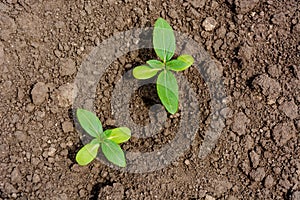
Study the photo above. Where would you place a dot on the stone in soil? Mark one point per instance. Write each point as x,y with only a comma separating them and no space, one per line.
274,71
249,142
209,24
254,158
269,181
283,132
9,188
68,67
290,109
36,178
240,123
65,95
198,3
221,187
39,93
67,126
245,53
278,18
16,176
51,151
269,86
258,174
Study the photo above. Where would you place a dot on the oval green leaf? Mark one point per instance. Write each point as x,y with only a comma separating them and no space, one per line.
176,65
189,60
113,152
167,89
118,135
144,72
163,40
155,64
89,122
87,153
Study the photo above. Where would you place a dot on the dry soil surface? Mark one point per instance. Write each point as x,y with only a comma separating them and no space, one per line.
255,43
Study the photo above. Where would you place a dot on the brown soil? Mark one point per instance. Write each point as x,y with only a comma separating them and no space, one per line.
257,44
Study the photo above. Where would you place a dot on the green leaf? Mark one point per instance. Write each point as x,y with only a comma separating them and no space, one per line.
107,133
144,72
118,135
189,60
89,122
113,152
95,141
163,40
87,153
181,63
167,89
155,64
176,65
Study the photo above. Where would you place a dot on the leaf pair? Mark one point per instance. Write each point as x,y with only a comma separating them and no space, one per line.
154,66
108,140
166,84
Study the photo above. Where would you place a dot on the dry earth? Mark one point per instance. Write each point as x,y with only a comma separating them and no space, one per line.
257,45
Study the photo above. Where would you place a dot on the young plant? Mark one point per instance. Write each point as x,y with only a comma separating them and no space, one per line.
108,140
166,83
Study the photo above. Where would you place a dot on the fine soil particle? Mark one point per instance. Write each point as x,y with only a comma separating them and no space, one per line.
256,48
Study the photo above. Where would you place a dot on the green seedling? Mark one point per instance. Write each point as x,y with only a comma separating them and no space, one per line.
166,83
108,140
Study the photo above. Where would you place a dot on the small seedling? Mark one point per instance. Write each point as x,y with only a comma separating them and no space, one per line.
166,83
109,140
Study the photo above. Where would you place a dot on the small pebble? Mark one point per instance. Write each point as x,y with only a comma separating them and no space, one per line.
269,181
67,126
16,176
187,162
68,67
51,151
39,93
209,24
36,178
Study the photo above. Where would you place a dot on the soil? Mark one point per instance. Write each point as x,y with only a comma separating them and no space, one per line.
255,43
